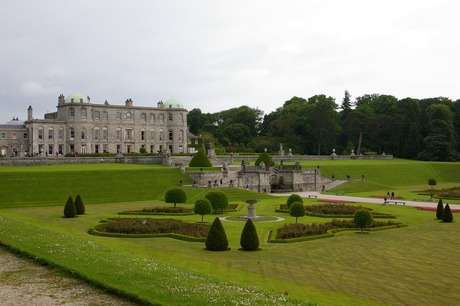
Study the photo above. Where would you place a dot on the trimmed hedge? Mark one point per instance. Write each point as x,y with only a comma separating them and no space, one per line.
217,238
294,198
200,160
331,232
94,231
374,214
264,157
69,209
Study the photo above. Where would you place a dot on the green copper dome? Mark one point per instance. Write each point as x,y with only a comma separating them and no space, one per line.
77,98
172,103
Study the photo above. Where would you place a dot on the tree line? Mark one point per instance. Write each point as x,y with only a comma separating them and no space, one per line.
424,129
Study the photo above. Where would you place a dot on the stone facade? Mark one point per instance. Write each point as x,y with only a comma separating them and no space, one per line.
79,126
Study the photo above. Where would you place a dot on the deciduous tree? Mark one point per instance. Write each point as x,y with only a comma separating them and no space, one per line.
297,210
218,199
362,218
202,207
175,195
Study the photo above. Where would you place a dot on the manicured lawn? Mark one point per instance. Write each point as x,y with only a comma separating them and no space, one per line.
407,266
96,183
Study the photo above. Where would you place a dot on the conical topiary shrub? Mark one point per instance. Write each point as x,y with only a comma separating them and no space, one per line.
79,206
439,210
200,159
447,214
69,208
249,239
264,157
293,198
216,239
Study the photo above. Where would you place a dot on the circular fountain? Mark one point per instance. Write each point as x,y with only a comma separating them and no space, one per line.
251,210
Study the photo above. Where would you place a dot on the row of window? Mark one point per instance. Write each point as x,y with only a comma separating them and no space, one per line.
128,116
14,135
104,134
51,150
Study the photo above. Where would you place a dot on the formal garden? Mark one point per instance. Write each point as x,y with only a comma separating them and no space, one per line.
126,209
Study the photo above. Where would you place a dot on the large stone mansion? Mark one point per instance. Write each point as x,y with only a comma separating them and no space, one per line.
79,126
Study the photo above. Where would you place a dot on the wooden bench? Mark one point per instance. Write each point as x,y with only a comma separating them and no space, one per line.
312,196
424,200
396,202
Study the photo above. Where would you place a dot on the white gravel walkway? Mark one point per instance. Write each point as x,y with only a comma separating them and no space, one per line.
319,195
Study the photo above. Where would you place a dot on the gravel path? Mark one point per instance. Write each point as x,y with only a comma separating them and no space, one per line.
24,283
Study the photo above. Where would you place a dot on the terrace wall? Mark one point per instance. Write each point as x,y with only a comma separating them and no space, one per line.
44,161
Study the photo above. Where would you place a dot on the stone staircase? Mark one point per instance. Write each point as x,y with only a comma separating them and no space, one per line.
335,183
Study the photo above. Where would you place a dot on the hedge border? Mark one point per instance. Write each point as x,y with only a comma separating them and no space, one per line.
94,231
375,214
331,232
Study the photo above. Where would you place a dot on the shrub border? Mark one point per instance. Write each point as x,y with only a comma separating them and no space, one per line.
134,212
375,214
331,232
94,231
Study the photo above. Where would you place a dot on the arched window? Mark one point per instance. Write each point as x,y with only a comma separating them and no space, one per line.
181,136
152,135
118,134
105,134
128,116
50,133
83,133
143,135
40,133
61,134
96,133
162,135
181,117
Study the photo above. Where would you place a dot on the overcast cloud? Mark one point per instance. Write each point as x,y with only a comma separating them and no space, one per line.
215,55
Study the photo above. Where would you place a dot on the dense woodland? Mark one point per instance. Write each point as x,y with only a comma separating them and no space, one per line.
425,129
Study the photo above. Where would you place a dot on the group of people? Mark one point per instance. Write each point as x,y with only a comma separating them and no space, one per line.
390,196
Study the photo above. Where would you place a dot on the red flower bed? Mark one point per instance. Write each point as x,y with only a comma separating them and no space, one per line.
385,196
434,208
335,201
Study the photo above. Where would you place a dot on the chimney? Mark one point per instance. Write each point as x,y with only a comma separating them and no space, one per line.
30,113
61,99
160,104
129,103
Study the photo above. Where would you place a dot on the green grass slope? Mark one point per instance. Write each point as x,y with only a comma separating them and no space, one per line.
101,183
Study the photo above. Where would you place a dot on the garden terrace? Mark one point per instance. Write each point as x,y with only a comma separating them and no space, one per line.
158,271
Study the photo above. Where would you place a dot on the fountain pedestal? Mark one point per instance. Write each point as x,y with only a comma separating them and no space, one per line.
251,210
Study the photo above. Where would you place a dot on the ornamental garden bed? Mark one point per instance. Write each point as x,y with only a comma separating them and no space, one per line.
150,227
167,210
334,210
386,196
434,208
446,193
302,232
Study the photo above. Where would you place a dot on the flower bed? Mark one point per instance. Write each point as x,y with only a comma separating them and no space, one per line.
386,196
330,210
335,201
434,208
139,226
314,229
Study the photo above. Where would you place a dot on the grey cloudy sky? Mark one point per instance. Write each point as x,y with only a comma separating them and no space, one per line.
215,55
